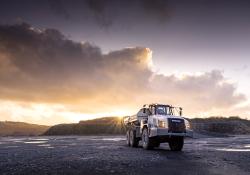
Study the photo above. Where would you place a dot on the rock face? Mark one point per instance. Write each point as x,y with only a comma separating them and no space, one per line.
8,128
231,125
101,126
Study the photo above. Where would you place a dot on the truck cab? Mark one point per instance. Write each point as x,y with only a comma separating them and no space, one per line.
155,124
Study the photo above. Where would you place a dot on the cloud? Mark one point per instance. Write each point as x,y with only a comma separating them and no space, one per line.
201,92
109,12
58,7
44,66
100,12
158,9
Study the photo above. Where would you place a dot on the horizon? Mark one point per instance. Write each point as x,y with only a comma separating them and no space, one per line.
63,61
120,117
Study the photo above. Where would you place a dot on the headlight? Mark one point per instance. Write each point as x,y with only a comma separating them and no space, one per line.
161,124
187,124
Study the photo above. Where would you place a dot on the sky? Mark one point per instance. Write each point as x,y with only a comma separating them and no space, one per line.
63,61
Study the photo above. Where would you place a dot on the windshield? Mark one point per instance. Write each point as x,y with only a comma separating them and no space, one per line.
166,110
162,110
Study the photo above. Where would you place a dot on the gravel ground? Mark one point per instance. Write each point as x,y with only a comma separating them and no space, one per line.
90,155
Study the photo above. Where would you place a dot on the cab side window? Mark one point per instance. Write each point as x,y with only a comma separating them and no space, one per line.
153,110
148,112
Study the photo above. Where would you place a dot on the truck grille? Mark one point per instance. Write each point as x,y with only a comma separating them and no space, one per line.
176,125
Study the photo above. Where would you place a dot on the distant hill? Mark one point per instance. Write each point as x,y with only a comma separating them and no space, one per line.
8,128
100,126
231,125
113,125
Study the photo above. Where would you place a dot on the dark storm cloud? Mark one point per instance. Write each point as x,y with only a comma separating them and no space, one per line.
159,9
45,60
106,13
99,10
58,7
44,66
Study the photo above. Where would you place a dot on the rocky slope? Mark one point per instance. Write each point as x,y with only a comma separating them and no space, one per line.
113,125
8,128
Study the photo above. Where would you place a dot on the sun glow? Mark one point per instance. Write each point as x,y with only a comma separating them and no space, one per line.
76,117
49,114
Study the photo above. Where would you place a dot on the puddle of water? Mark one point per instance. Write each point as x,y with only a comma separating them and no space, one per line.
233,150
50,147
111,139
17,139
63,146
72,144
81,139
45,145
35,142
102,147
86,158
11,146
40,139
28,140
201,142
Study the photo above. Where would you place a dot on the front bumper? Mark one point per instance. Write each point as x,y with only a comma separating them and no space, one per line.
164,132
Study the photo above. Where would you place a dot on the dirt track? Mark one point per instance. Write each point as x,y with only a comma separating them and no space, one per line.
89,155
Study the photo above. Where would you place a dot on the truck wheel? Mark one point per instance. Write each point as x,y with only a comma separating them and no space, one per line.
134,142
176,143
127,138
157,144
146,141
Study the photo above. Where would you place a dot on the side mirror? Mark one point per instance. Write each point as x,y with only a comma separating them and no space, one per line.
180,111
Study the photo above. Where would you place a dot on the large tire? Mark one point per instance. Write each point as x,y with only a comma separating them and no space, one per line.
176,143
128,138
134,142
146,141
157,144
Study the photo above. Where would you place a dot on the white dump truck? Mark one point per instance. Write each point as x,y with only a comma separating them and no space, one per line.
155,124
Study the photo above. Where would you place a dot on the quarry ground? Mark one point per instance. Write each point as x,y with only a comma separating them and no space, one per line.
90,155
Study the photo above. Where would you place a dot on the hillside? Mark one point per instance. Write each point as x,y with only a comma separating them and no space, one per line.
8,128
231,125
113,125
106,125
